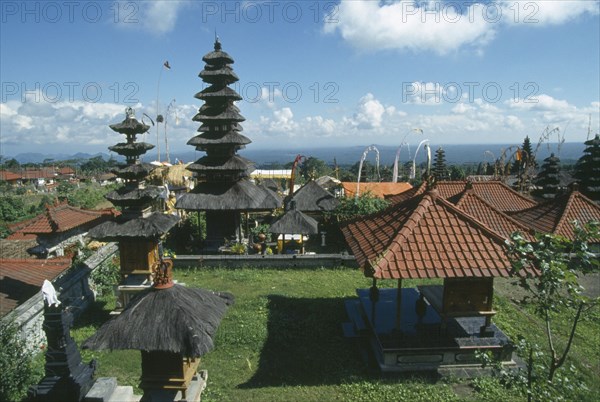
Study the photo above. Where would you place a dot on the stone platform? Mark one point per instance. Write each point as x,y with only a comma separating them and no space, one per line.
407,343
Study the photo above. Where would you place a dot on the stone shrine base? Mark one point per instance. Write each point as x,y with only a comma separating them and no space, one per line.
420,344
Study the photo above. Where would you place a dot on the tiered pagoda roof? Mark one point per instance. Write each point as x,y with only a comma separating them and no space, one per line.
223,176
135,197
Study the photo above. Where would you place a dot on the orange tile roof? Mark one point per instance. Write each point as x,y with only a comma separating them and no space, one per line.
376,189
6,175
495,193
21,279
557,216
66,170
60,218
426,237
494,219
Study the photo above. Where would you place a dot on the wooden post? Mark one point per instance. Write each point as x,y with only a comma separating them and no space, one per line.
399,304
374,297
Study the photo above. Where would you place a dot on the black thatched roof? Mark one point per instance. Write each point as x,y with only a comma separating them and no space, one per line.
130,126
231,137
295,222
134,171
178,319
313,198
150,227
131,197
215,91
242,195
131,149
234,162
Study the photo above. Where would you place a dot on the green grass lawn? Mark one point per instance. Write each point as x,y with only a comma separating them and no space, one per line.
282,340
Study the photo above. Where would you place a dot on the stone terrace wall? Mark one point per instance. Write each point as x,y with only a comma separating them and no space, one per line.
266,261
74,291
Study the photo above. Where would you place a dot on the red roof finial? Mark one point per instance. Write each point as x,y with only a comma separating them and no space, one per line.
163,274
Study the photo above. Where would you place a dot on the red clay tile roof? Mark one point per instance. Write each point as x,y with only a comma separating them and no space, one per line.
495,193
66,170
61,218
494,219
44,173
426,237
21,279
557,216
6,175
376,189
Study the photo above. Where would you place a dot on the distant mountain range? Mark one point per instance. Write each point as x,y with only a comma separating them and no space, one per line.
455,154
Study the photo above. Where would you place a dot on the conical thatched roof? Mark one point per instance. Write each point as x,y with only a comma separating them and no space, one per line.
150,227
178,319
295,222
313,198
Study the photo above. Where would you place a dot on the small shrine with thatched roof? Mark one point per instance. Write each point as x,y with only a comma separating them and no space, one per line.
223,188
431,326
139,229
173,326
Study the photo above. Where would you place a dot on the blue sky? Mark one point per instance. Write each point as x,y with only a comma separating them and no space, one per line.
312,73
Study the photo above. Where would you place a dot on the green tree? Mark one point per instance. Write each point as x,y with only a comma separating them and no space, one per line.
352,207
12,209
587,169
554,288
17,364
314,168
548,180
457,173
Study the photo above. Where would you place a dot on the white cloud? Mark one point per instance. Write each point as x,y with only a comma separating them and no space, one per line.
543,103
369,113
411,25
444,27
546,12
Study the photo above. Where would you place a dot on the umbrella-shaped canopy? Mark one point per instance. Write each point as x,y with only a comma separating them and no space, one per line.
294,221
151,227
177,319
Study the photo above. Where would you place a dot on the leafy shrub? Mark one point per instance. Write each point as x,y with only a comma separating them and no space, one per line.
105,276
352,207
17,364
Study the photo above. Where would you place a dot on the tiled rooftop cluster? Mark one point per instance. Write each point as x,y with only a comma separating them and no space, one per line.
458,229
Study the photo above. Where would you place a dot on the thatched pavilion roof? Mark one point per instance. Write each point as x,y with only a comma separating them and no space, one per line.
313,198
295,222
178,319
242,196
150,227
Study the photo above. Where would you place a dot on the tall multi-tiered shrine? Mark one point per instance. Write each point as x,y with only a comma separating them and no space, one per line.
223,188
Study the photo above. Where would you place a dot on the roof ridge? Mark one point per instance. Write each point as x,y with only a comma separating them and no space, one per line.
478,223
518,194
496,210
406,229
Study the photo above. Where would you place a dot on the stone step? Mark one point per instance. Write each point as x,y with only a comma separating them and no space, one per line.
122,394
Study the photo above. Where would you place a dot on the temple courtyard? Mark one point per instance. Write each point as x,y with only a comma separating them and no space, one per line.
284,340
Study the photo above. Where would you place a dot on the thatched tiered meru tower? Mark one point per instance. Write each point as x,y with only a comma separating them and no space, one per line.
224,189
138,230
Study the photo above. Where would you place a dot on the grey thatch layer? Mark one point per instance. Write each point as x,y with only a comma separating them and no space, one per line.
137,196
134,171
130,126
150,227
295,222
178,319
218,138
236,162
313,198
217,57
131,149
242,195
215,91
